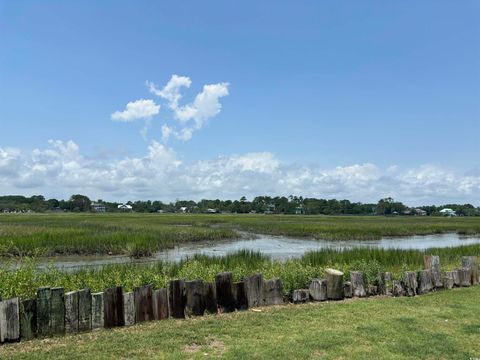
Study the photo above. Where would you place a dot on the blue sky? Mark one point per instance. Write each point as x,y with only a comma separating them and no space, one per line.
331,99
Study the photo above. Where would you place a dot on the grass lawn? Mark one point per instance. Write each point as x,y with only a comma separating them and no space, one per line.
443,325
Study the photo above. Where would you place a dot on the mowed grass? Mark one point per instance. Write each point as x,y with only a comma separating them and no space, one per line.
442,325
143,234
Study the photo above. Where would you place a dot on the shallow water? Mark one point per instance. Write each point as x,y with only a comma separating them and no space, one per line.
277,247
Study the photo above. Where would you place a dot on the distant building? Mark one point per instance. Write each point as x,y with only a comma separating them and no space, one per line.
100,208
125,207
299,210
448,212
420,212
212,211
270,209
183,209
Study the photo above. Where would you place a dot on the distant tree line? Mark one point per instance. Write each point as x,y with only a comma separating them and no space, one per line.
260,204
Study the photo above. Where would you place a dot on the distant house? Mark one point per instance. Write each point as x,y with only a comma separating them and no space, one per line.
448,212
97,207
212,211
125,207
299,210
184,209
420,212
270,209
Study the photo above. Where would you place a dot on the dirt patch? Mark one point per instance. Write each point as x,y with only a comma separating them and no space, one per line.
212,347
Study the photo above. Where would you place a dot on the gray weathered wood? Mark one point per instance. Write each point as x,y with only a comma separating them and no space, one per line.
113,307
447,280
224,291
28,319
358,284
9,320
210,293
318,289
472,263
44,295
71,312
57,311
84,310
240,295
386,288
129,308
254,290
195,300
410,283
465,276
432,262
456,277
273,289
347,289
334,284
176,298
372,290
300,296
160,304
425,281
97,311
143,303
397,288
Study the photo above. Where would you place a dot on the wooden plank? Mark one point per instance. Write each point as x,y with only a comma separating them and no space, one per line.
195,300
318,289
160,304
97,311
84,310
210,294
240,295
57,311
224,291
71,312
410,283
358,284
273,289
143,303
334,284
425,281
472,263
44,295
28,319
254,290
347,289
129,308
113,307
9,320
176,298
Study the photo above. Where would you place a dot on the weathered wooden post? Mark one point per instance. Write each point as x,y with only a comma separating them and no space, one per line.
97,311
472,263
397,288
358,284
44,295
57,308
113,311
129,308
71,312
143,303
9,320
347,289
334,284
254,290
456,277
84,310
432,262
28,319
273,289
160,304
318,289
387,283
447,280
410,283
224,290
465,276
211,305
195,300
300,296
425,281
240,295
176,298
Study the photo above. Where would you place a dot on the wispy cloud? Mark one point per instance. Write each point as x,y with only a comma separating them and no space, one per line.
135,110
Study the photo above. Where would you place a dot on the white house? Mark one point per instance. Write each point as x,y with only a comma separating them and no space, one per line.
97,207
125,207
448,212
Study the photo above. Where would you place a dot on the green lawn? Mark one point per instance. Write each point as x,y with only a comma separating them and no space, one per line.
442,325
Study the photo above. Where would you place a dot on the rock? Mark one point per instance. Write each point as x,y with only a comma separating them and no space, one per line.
410,283
318,289
334,284
425,281
273,292
358,284
300,296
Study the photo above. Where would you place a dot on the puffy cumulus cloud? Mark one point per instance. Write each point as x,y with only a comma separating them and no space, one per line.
61,170
192,116
139,109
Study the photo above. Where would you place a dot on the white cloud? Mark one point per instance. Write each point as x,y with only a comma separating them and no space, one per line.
139,109
61,170
192,116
